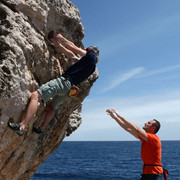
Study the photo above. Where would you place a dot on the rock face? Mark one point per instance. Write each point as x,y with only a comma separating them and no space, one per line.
27,61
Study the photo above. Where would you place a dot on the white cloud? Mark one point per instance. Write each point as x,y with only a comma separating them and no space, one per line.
160,70
136,73
120,78
164,107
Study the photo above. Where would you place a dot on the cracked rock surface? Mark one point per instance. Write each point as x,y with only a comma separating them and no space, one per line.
26,62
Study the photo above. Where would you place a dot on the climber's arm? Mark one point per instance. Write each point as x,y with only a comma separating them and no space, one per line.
70,45
69,54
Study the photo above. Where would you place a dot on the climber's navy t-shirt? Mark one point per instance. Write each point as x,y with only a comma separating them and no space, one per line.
82,69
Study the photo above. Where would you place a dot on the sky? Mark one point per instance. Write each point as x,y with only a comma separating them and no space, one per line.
139,67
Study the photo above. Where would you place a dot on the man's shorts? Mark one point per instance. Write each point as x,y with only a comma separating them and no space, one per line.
57,89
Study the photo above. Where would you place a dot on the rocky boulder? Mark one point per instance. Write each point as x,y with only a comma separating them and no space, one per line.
27,60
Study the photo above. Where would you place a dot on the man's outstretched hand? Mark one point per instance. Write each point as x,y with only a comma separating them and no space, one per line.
110,112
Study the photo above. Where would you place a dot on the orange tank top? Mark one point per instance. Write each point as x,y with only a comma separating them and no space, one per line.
151,154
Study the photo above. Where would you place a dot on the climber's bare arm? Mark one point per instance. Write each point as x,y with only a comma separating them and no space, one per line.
69,54
70,45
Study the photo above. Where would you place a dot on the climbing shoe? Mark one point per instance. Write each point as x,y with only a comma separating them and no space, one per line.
37,130
20,132
15,127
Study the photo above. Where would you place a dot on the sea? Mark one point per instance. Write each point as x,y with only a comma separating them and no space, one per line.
104,160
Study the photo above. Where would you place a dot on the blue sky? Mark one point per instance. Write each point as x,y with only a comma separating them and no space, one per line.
139,68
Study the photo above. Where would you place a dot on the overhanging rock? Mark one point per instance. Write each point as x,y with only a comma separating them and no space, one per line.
27,61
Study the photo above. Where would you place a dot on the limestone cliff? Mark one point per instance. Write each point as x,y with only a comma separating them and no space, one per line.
27,61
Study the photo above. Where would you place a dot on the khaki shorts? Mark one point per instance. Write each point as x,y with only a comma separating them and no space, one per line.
57,89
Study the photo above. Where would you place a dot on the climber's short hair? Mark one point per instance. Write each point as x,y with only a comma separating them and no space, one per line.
95,50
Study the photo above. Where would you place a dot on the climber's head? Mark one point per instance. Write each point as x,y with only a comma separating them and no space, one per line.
95,50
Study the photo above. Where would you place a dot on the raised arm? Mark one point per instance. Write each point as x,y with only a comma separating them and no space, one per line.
121,123
69,54
70,45
127,125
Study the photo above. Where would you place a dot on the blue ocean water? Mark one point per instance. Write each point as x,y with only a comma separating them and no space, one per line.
104,160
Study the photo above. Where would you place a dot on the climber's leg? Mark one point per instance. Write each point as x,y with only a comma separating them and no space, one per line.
32,108
49,115
45,92
58,99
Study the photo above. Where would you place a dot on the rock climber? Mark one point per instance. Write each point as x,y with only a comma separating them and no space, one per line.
62,88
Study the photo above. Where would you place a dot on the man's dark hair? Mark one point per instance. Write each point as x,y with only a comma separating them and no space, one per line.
157,125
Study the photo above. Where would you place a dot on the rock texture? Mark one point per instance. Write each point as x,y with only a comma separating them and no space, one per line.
27,61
